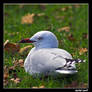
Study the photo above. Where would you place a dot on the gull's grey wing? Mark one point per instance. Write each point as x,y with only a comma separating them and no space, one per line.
47,60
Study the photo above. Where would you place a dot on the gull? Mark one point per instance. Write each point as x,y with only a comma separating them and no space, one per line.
46,58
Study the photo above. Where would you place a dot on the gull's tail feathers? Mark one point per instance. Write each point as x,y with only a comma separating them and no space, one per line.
68,68
66,71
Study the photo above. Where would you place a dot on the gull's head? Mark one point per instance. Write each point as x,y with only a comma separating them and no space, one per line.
42,39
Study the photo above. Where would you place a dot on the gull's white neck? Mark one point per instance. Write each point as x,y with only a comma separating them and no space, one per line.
40,46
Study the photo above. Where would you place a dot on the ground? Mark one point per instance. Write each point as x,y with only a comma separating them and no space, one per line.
69,22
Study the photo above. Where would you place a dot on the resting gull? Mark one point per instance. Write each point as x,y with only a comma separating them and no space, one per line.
46,57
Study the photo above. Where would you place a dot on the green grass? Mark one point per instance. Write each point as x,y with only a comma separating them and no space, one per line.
76,16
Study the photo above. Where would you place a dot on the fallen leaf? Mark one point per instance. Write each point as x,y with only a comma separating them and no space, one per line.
25,50
11,47
71,37
6,14
74,84
66,29
64,9
6,72
76,5
28,19
5,82
42,86
60,17
21,62
85,35
16,80
16,63
35,87
21,6
82,51
39,86
5,76
83,85
42,7
40,14
12,69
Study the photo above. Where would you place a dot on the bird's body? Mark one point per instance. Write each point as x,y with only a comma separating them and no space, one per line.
46,57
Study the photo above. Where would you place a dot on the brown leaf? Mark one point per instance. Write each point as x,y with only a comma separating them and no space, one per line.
42,6
35,87
39,86
83,85
82,51
60,17
85,35
6,72
6,75
21,62
21,6
25,49
16,63
11,47
40,14
74,84
71,37
28,19
66,29
5,82
16,80
64,8
42,86
76,5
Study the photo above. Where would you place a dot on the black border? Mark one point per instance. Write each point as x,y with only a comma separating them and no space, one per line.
1,43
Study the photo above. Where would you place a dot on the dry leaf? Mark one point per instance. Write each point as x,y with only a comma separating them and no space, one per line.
21,5
11,47
35,87
12,69
71,37
42,6
24,50
16,63
16,80
28,19
42,86
5,82
6,72
64,9
40,14
83,85
82,51
66,29
74,84
85,35
21,62
5,76
60,17
39,86
76,5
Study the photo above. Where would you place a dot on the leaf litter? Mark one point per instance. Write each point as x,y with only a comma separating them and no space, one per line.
11,47
82,51
66,29
29,18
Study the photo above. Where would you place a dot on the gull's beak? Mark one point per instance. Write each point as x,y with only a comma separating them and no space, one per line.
27,40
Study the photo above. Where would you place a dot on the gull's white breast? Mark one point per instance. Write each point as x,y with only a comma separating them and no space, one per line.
46,59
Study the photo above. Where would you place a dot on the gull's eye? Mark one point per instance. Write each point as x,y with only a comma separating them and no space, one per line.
40,38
